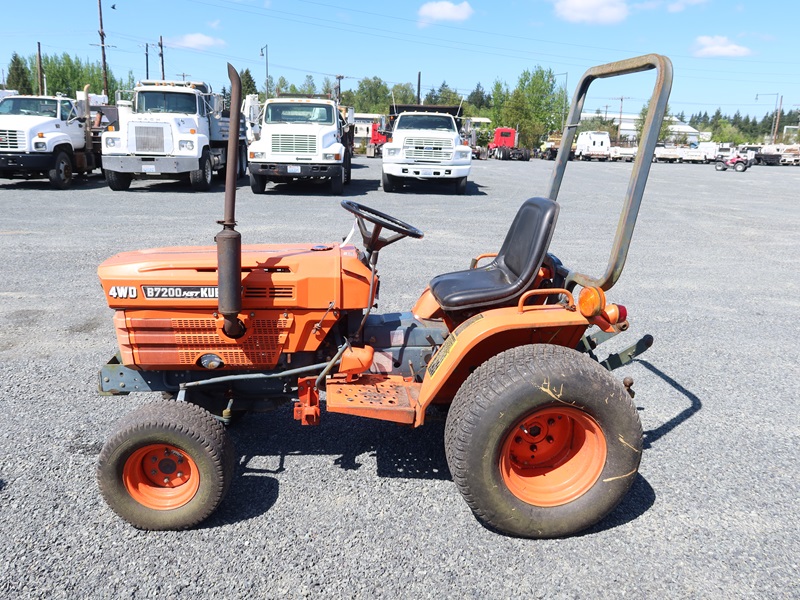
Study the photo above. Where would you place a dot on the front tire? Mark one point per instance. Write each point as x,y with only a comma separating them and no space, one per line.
60,175
720,166
542,442
337,184
118,182
166,467
387,182
461,186
201,178
258,183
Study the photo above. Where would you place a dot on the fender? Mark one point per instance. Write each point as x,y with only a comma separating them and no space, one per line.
488,333
56,139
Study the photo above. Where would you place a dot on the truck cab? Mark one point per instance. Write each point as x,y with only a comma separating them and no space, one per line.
426,146
593,144
43,136
302,138
169,129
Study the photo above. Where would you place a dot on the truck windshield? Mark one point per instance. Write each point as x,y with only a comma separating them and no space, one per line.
38,107
166,102
291,112
437,122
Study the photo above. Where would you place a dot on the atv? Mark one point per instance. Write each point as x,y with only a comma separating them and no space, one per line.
540,438
737,163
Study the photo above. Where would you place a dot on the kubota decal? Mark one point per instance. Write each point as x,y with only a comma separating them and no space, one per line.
158,292
449,344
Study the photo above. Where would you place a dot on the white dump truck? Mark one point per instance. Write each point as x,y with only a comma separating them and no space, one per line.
302,137
45,136
426,146
168,130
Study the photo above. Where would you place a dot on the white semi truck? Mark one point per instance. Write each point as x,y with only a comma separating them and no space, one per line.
45,136
426,146
168,130
302,138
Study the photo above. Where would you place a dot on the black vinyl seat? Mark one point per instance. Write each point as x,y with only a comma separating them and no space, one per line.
514,269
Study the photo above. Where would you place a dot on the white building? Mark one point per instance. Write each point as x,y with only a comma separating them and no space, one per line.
628,129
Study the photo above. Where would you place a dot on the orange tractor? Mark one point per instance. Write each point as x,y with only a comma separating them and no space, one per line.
540,438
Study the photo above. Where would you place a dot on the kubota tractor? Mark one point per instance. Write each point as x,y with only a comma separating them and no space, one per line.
541,439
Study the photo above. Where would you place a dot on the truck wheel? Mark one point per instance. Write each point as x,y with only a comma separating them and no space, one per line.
348,168
387,181
167,466
542,441
242,161
201,178
526,154
461,186
337,183
61,174
118,182
258,183
720,166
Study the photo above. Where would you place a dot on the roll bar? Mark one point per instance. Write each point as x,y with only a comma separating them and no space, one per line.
641,167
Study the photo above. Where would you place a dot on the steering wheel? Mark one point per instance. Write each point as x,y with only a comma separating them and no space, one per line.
373,241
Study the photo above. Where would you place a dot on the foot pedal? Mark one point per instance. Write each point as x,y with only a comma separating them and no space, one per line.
384,397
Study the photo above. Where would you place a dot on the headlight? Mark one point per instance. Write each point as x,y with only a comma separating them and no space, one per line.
112,142
40,145
392,151
331,156
258,154
463,154
186,145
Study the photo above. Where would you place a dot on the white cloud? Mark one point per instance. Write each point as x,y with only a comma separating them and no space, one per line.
718,45
444,11
196,41
680,5
214,24
598,12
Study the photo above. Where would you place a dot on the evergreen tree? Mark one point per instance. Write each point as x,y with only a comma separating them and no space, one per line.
308,87
478,97
248,83
282,87
19,77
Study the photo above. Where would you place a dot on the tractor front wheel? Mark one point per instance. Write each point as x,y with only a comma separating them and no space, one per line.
542,442
167,466
720,166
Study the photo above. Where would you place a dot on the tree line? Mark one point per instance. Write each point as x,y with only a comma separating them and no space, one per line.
535,106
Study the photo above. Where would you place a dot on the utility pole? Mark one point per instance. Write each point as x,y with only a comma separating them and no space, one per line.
339,88
265,54
161,55
147,61
103,48
619,125
777,119
419,80
39,73
605,118
183,75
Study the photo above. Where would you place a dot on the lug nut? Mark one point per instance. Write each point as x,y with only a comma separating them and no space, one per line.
153,459
179,474
166,480
153,472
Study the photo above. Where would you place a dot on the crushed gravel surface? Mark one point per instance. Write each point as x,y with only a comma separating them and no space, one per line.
363,509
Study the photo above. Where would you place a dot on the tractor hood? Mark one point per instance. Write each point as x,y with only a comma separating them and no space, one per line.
291,276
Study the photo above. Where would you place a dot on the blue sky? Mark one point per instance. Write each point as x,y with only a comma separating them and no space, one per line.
725,53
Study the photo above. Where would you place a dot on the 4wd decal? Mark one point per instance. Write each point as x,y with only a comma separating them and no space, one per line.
158,292
123,291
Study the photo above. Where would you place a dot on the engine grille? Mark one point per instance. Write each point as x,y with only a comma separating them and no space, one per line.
295,144
149,139
429,148
12,140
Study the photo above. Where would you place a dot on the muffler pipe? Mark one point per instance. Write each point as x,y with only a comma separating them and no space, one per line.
229,241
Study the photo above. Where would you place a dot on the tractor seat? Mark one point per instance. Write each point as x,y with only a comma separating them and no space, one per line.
514,269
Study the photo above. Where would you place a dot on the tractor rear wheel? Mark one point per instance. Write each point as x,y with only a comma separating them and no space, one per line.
168,465
542,441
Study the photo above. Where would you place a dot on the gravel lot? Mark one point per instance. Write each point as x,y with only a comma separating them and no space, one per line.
355,508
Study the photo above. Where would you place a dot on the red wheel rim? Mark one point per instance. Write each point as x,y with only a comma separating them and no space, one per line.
161,476
553,456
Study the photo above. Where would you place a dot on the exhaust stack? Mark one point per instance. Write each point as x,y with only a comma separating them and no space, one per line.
229,241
